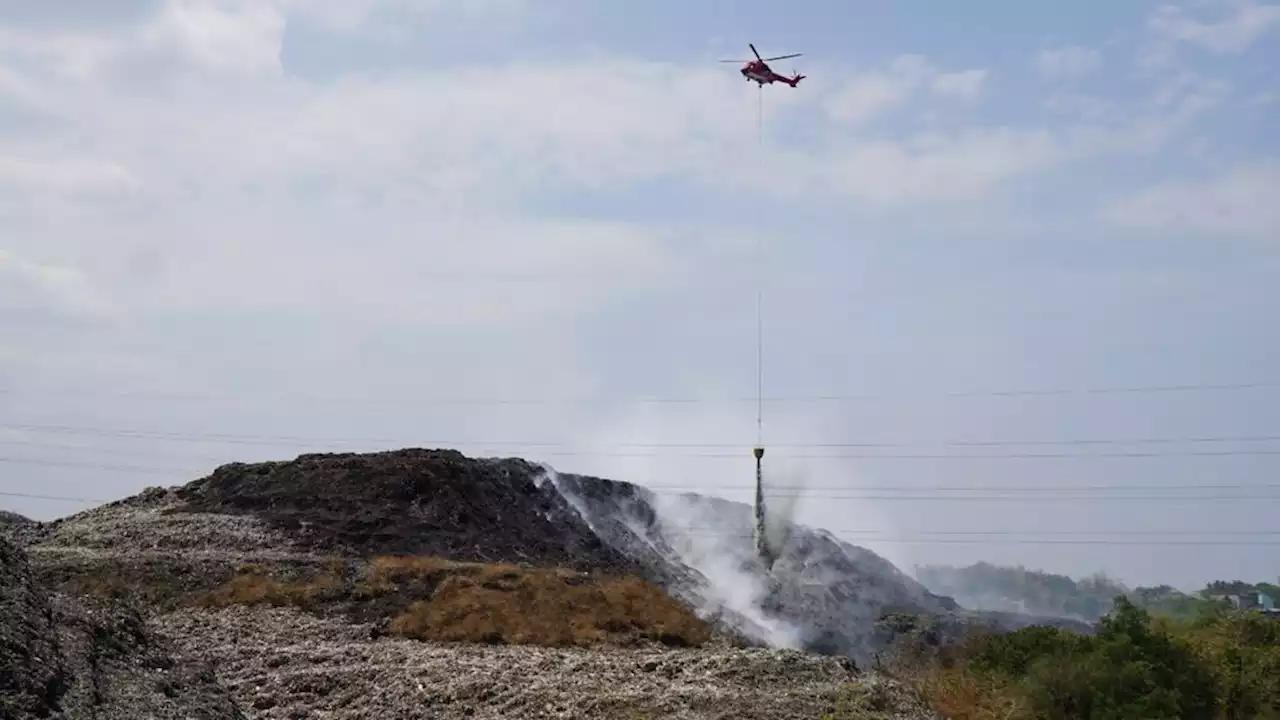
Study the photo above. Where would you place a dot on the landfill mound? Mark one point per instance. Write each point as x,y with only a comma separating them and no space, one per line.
427,554
292,519
408,502
822,594
70,658
355,589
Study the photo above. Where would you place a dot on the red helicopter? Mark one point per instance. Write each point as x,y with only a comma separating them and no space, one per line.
759,70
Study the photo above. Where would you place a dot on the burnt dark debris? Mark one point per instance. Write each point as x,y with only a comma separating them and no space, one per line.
410,502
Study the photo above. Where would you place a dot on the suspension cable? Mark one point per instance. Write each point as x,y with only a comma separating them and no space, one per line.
760,281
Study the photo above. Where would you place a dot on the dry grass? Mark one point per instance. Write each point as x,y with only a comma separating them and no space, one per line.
942,679
545,608
254,589
960,694
498,603
251,585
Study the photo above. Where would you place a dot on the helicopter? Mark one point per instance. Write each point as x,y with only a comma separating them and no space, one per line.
759,70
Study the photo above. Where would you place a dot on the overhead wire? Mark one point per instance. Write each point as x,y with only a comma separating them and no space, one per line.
927,537
681,486
268,439
642,450
958,493
707,530
659,399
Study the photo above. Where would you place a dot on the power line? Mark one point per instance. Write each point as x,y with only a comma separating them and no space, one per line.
880,456
936,538
63,498
844,532
992,494
258,439
802,488
95,466
642,399
1042,541
985,488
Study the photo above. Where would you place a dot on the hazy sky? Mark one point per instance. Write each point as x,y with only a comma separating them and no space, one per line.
238,231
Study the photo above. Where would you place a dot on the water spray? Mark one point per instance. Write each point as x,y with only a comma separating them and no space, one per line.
763,550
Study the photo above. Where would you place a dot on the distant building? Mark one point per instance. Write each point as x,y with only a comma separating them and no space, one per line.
1252,600
1234,600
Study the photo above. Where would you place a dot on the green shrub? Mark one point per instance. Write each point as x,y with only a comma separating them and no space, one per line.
1220,665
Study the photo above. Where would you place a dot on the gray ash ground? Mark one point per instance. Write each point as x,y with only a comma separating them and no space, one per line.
280,663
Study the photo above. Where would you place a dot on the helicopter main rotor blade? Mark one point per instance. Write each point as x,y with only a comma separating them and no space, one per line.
757,52
735,61
783,57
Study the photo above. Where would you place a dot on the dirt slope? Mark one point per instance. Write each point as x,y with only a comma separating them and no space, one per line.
80,658
18,529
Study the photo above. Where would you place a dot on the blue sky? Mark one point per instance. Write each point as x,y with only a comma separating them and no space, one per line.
304,223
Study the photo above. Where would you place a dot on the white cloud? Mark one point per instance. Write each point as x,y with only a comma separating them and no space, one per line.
965,85
58,289
75,55
1068,61
384,17
498,132
964,165
222,36
1239,203
1231,34
871,95
972,161
68,175
411,267
244,172
866,97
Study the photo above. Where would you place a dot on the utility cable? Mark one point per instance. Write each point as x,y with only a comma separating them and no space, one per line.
934,538
976,493
655,399
149,434
702,450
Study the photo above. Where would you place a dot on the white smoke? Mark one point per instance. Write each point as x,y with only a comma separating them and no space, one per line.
714,538
549,474
721,547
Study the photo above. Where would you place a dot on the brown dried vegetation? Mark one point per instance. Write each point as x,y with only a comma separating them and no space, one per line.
960,694
429,598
